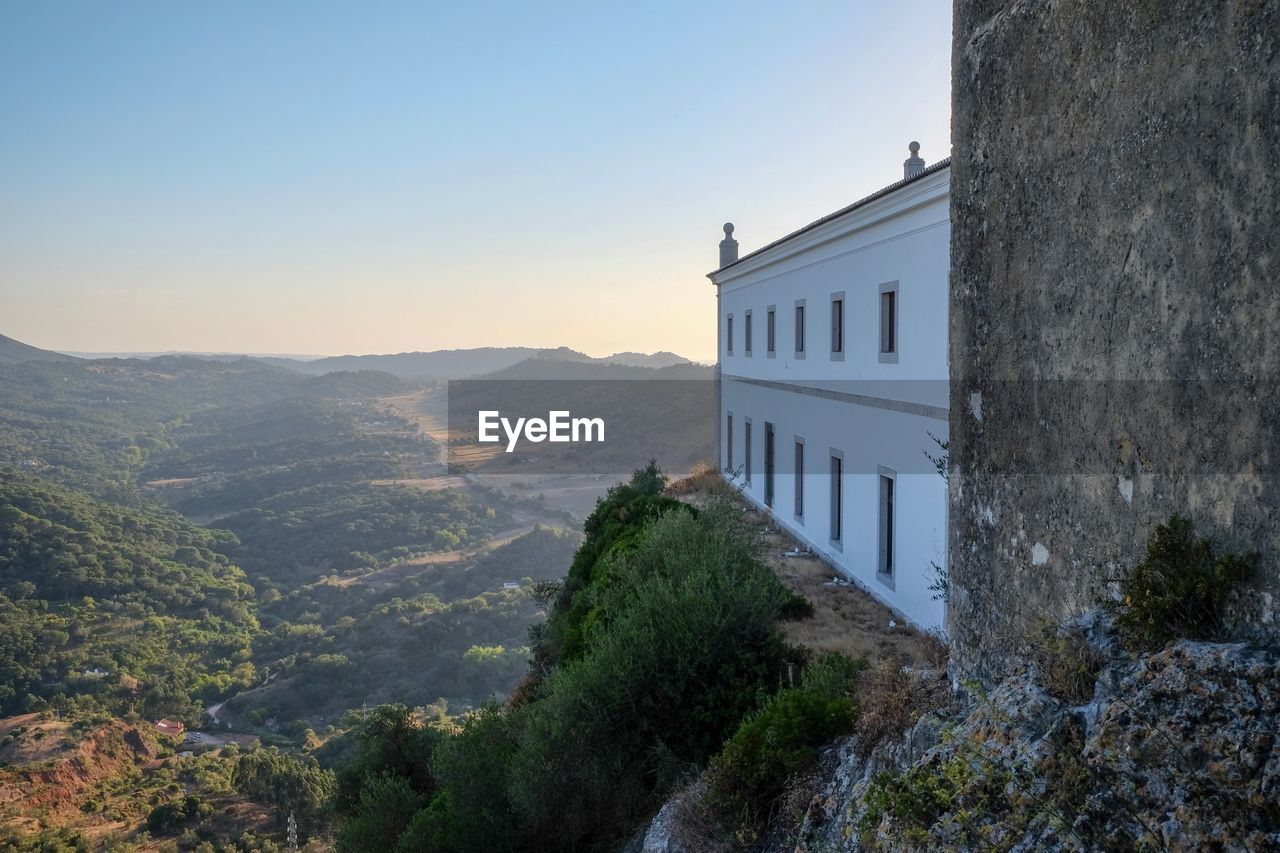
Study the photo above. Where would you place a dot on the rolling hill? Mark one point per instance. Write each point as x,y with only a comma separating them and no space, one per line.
468,363
12,352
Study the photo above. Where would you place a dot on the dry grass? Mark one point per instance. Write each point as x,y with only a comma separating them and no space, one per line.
694,828
427,484
891,699
846,618
1067,664
702,479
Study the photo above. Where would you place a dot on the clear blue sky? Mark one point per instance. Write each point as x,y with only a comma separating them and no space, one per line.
376,177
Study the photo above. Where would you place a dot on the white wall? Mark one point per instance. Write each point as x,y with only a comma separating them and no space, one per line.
904,239
868,439
878,415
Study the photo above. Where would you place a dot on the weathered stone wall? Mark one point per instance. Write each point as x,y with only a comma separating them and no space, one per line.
1115,307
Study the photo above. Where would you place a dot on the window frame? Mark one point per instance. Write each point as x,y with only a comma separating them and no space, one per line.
728,446
886,525
771,331
838,338
746,333
798,479
835,473
889,327
800,332
770,462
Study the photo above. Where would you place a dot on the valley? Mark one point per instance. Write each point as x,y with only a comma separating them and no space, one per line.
254,552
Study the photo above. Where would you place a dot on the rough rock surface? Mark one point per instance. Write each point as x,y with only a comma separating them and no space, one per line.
1178,750
1115,217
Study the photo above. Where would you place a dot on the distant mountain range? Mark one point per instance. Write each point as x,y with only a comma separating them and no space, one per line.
12,352
496,362
550,366
470,363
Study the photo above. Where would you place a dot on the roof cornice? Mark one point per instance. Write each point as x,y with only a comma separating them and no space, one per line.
757,258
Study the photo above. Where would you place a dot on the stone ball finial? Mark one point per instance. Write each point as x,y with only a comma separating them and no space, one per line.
914,148
728,229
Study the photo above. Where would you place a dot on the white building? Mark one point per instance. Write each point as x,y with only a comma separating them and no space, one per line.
834,384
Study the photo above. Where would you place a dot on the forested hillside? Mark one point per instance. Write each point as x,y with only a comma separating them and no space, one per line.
115,607
178,534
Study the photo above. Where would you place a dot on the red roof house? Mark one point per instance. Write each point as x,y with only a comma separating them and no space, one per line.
169,727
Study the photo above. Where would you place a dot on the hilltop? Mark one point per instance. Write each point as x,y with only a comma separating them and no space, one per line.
12,352
428,366
470,363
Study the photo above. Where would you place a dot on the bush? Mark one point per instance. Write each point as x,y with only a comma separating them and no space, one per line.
890,700
170,817
614,527
386,806
388,741
915,799
683,645
286,782
780,740
1180,589
662,639
1068,664
472,812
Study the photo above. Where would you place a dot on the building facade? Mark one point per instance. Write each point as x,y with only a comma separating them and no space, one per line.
833,385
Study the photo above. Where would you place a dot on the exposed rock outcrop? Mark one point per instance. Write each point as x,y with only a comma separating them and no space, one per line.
1177,750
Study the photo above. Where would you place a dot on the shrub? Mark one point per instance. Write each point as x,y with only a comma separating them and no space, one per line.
833,674
170,817
613,528
286,782
386,806
890,700
683,645
389,740
915,799
472,812
1068,664
780,740
886,705
673,639
1180,589
796,607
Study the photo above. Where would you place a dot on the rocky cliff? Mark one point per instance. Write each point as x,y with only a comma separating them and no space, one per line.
1177,750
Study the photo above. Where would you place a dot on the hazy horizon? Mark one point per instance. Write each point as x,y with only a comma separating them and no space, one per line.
316,178
90,354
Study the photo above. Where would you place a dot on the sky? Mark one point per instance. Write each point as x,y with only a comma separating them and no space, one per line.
329,178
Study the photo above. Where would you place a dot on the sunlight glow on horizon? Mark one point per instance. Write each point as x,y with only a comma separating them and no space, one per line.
321,178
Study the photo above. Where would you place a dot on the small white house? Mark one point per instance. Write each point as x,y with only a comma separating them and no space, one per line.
833,384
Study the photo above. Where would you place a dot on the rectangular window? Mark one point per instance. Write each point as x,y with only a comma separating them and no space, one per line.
728,335
746,331
889,322
770,329
728,443
799,479
746,451
887,484
837,497
768,464
887,317
837,325
800,329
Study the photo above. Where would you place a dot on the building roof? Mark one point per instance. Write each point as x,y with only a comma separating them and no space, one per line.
878,194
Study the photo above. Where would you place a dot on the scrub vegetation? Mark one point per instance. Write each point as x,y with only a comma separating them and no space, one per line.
661,643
